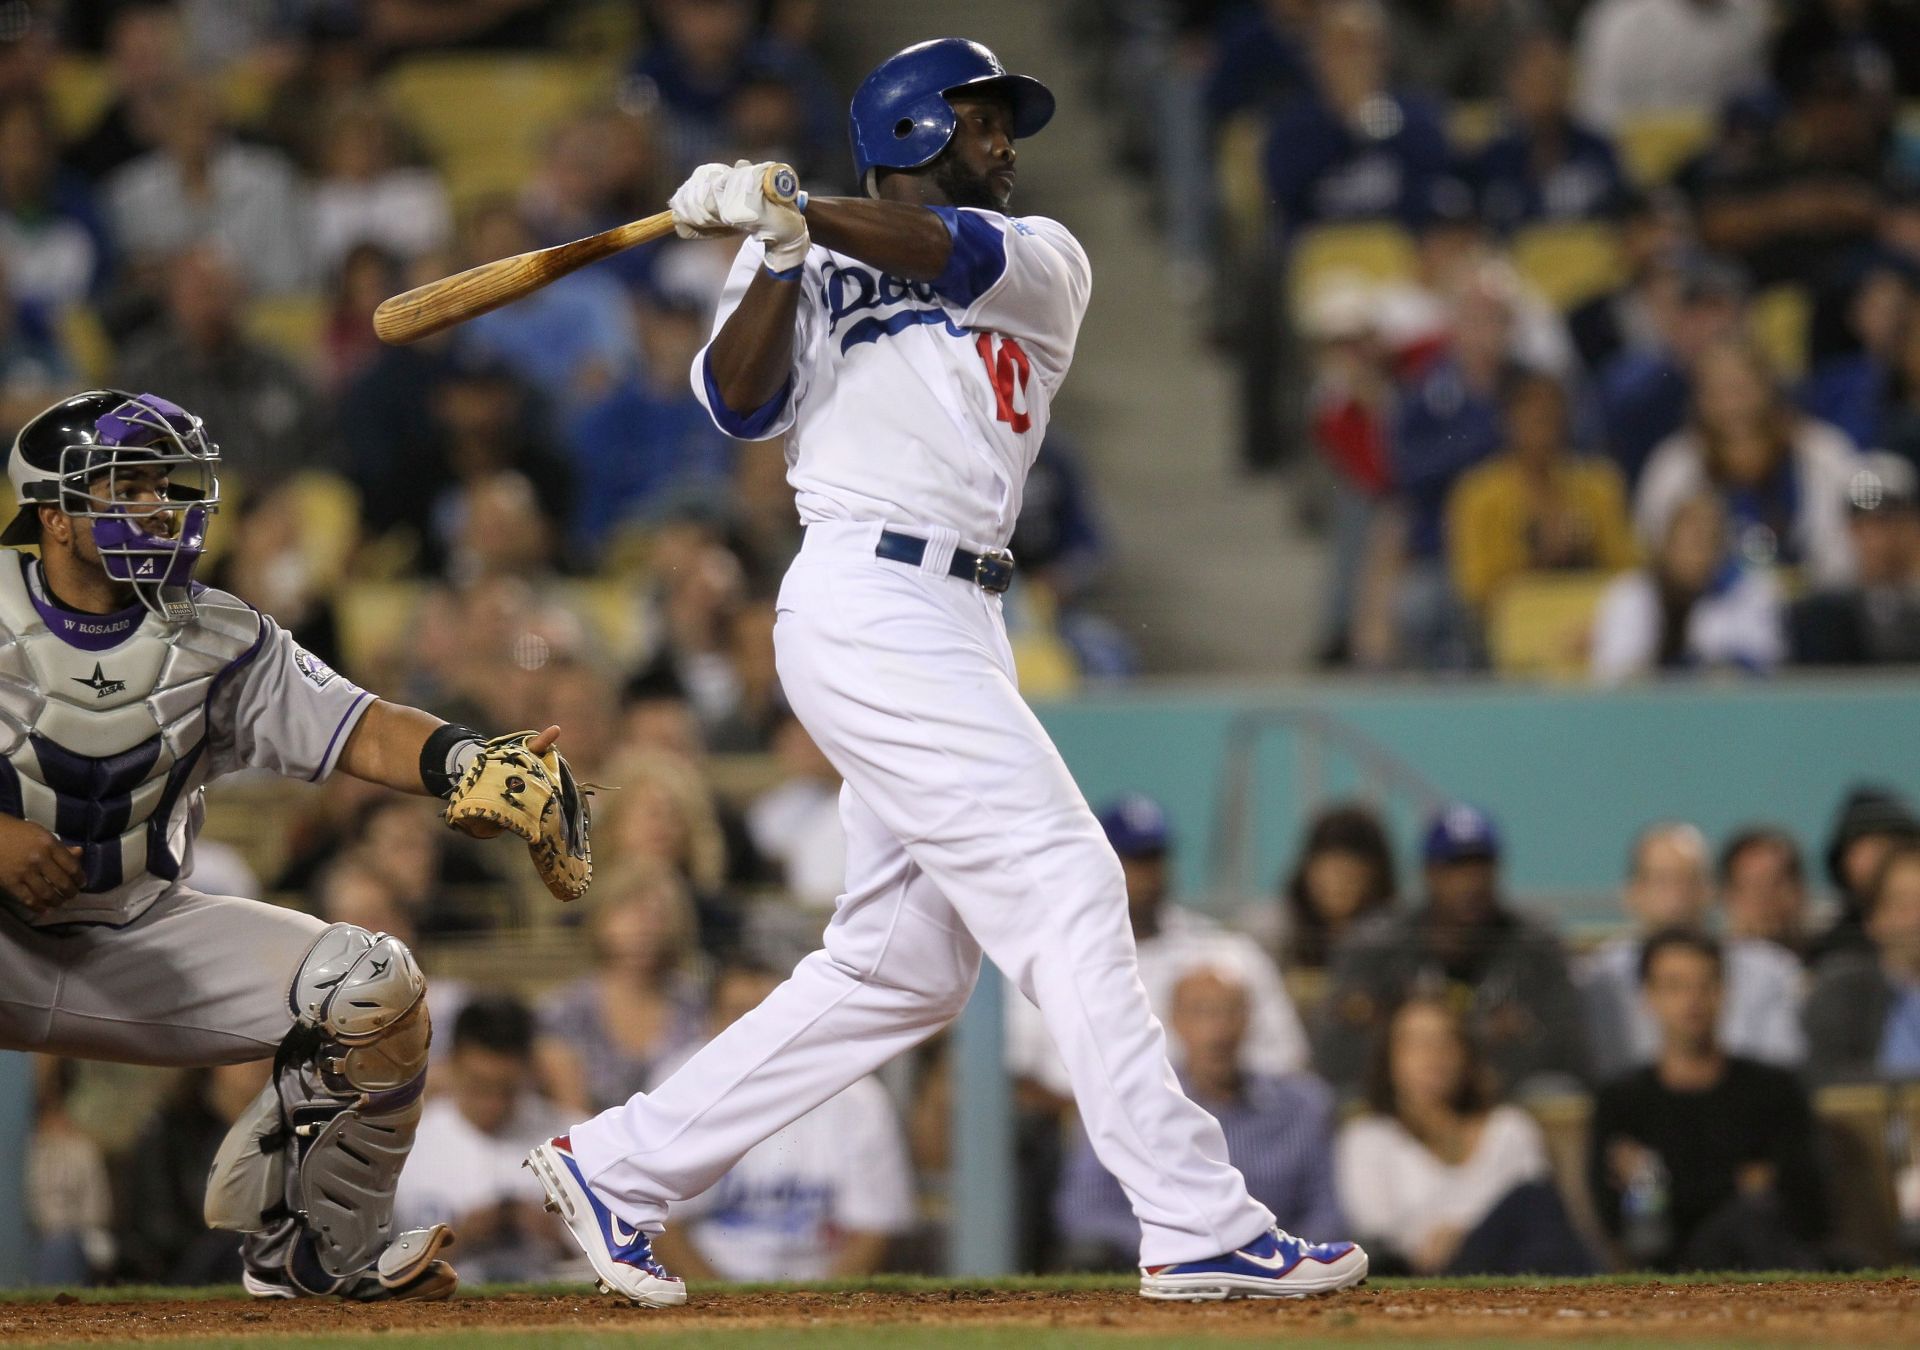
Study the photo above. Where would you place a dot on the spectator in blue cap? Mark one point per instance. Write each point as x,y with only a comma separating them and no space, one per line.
1466,943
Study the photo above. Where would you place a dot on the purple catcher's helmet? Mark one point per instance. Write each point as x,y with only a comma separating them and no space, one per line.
94,455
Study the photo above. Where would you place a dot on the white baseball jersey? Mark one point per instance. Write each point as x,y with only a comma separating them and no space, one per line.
112,725
921,403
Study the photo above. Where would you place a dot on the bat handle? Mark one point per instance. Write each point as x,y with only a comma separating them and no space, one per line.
781,184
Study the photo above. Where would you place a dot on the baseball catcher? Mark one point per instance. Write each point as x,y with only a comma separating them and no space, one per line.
126,688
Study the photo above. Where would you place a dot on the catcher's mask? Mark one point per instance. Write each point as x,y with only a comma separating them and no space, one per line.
142,469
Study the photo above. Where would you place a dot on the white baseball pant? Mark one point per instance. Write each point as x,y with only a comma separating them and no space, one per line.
964,832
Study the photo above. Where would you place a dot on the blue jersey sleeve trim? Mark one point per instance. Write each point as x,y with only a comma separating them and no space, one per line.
752,426
793,273
979,257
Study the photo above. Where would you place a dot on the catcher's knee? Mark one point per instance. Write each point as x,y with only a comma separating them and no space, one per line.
323,1144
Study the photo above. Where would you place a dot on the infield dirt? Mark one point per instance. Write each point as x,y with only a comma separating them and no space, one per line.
1881,1310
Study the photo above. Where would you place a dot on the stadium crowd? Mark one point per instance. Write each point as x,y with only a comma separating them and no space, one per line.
532,520
1608,302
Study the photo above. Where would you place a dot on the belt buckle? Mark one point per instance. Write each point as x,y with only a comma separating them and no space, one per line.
993,570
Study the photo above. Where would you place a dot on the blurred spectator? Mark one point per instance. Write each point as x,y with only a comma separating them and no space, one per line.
365,277
758,721
1536,506
33,370
606,1036
465,1168
267,563
1871,821
1703,1160
1899,421
1863,1015
402,25
646,439
1439,1176
1449,420
1257,53
796,824
53,243
201,184
63,1178
491,525
1813,189
1172,941
1350,147
354,889
145,61
1652,229
664,814
1344,876
402,841
572,340
266,418
163,1180
1063,550
700,585
1850,389
705,55
1668,888
1464,941
1694,606
1279,1132
366,195
1676,311
1783,478
332,64
1886,32
1660,57
1763,888
1876,620
822,1198
1459,49
1543,165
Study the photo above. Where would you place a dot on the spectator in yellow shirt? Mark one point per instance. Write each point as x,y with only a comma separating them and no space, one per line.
1536,506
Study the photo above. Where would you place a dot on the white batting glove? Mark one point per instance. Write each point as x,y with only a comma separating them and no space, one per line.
741,200
696,212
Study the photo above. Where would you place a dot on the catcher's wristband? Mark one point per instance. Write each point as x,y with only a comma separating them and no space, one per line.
445,757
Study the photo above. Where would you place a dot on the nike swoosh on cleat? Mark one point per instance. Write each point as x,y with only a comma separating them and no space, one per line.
1274,1263
622,1237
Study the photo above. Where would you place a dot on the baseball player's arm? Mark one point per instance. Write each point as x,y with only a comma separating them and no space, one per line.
387,742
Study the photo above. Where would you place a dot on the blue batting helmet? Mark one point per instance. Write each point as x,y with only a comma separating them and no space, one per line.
900,118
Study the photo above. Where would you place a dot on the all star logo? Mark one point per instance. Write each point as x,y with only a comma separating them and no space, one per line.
99,683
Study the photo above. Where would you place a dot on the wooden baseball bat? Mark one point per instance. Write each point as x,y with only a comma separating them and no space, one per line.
426,310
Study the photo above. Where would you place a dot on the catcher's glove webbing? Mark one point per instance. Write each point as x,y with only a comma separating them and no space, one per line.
509,787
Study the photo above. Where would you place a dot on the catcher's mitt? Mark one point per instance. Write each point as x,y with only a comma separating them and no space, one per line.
509,787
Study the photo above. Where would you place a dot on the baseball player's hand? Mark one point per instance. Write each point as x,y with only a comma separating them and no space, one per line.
696,213
35,867
519,784
741,200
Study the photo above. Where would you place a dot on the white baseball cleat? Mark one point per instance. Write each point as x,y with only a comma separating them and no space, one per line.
622,1257
1274,1265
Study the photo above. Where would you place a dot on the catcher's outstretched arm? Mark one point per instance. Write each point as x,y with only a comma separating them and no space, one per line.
385,746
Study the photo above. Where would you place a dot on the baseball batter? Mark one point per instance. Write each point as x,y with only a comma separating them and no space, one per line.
910,347
125,689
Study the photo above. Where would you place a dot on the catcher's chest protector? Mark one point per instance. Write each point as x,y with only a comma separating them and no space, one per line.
103,727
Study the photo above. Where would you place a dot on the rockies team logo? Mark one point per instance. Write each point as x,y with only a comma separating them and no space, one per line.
99,683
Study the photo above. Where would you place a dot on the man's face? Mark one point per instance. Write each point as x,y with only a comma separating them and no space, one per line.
1762,896
1209,1020
1886,545
1146,885
1463,892
486,1085
1669,886
1683,994
1860,863
1895,924
976,169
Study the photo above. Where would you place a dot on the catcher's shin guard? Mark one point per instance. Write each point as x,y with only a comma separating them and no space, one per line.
309,1170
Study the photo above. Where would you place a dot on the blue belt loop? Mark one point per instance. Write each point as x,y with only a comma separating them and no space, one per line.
991,571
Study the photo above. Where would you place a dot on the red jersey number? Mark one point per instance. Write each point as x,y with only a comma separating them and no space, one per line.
1008,372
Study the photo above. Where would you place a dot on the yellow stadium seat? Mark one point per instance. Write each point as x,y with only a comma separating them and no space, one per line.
1472,125
373,618
1569,263
86,344
328,509
483,118
1653,146
1778,319
1242,179
292,324
1373,251
79,91
1539,623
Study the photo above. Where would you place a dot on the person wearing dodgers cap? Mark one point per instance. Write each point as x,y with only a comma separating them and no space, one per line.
1509,972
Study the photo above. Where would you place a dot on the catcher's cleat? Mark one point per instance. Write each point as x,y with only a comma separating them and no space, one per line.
409,1270
622,1257
1274,1265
